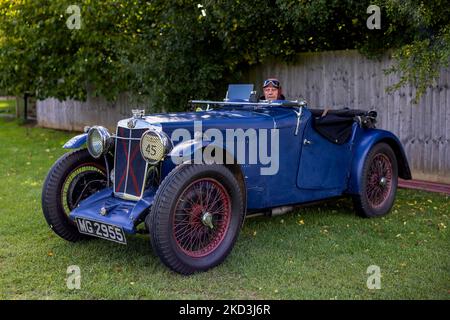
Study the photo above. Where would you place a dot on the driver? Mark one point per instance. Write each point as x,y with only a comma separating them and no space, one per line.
272,90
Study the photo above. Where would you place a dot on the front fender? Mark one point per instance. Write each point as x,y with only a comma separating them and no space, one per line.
367,139
76,142
192,151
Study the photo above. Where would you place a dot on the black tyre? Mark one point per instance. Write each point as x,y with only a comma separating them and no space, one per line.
378,183
74,177
196,217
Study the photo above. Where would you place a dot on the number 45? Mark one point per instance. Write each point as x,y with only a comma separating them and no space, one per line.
151,149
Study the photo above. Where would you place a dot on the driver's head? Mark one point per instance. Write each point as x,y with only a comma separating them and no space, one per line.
272,89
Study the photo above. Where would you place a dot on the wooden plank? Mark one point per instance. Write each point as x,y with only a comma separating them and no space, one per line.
446,147
407,129
435,130
426,128
415,133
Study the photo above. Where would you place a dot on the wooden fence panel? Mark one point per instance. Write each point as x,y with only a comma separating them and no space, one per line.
75,115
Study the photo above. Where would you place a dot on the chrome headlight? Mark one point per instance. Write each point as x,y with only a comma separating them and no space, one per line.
155,146
98,141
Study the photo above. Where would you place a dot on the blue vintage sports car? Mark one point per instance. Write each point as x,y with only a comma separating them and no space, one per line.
191,178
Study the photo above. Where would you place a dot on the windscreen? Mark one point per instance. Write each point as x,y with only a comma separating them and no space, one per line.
239,91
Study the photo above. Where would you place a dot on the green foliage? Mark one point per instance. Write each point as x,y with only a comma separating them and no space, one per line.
420,61
170,51
7,106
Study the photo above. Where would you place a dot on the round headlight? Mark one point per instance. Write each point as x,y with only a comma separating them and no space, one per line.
154,146
98,141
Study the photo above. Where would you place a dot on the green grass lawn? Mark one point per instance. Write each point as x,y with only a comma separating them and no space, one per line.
320,252
7,106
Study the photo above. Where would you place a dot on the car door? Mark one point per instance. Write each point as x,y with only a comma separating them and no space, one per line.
323,164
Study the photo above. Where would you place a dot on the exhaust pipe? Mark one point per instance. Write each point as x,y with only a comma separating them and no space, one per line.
281,210
272,212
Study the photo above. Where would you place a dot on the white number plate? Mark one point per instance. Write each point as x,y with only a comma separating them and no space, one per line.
101,230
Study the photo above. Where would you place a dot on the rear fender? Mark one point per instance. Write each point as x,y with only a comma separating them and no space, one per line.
366,141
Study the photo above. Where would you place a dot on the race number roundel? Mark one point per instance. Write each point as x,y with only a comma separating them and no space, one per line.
152,147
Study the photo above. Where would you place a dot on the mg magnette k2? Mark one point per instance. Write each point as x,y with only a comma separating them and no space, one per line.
190,179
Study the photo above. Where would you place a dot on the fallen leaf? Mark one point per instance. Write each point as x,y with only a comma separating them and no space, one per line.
442,226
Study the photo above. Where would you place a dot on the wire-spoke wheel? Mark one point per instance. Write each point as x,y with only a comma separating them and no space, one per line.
378,183
196,217
82,182
202,217
379,180
74,177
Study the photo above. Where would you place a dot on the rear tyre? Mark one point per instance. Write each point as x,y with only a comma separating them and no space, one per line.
196,217
378,182
74,177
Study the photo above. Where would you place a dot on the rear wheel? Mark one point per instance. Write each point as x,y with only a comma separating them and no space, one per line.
378,183
196,217
74,177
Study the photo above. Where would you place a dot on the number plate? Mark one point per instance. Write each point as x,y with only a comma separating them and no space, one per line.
101,230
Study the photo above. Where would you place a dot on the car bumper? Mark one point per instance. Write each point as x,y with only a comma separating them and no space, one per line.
104,207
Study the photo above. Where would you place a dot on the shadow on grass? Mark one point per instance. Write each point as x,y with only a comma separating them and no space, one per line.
139,246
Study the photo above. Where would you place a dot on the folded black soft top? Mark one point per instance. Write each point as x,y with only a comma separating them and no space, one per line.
340,112
336,125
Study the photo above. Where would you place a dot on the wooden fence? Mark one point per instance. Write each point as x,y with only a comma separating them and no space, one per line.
334,79
75,115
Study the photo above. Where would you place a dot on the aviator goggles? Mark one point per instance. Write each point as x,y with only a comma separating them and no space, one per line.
275,83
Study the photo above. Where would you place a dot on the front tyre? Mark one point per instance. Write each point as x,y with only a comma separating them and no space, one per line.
378,182
74,177
196,217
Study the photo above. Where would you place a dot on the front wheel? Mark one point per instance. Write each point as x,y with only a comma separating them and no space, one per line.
378,182
74,177
196,217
